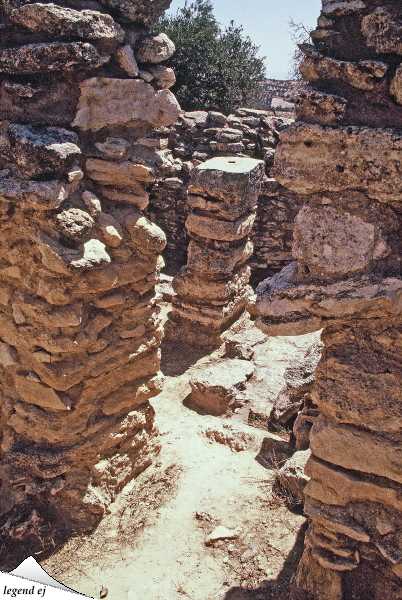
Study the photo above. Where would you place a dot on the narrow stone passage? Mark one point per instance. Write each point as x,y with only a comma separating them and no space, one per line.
152,544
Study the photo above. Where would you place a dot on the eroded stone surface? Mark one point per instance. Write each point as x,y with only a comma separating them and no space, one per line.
345,280
216,388
79,326
313,158
106,102
212,290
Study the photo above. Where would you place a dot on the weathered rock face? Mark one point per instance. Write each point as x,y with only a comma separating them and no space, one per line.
212,289
79,329
199,136
343,156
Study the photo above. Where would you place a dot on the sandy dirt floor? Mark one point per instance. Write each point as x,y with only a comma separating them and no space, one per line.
151,546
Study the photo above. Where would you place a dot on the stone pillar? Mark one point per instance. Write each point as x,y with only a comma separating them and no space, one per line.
344,157
79,333
212,289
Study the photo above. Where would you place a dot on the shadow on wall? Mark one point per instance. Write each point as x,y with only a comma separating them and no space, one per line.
279,588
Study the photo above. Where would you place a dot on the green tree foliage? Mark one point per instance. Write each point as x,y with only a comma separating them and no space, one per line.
215,69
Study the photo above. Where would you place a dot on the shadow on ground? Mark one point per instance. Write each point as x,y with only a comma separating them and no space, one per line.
175,359
279,588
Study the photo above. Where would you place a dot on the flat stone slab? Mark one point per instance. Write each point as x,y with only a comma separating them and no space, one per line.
229,179
215,388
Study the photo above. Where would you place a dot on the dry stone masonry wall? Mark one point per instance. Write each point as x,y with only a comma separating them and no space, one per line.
212,289
198,136
343,156
82,87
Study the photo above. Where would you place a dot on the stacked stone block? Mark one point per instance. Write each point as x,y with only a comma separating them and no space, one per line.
212,289
81,92
343,157
199,136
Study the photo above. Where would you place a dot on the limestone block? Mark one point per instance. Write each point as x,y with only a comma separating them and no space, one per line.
311,159
213,229
113,148
342,7
37,194
8,355
138,11
231,180
92,203
51,57
190,285
217,208
125,58
362,75
383,29
145,236
331,484
334,242
300,375
105,101
74,223
291,475
357,449
285,406
93,255
41,312
154,49
62,22
34,392
229,135
111,229
163,77
287,306
299,380
210,317
215,388
119,174
365,398
134,195
218,261
320,108
39,151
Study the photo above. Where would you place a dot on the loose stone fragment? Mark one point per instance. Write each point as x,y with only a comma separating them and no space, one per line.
221,533
215,389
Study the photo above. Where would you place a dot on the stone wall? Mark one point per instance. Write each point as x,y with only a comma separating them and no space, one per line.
343,156
198,136
82,88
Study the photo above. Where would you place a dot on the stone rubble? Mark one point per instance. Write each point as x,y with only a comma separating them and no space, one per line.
343,155
79,327
212,289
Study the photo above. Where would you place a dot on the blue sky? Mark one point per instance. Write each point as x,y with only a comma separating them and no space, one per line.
266,23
